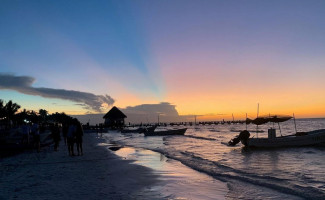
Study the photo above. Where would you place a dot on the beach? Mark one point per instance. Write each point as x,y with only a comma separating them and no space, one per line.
101,174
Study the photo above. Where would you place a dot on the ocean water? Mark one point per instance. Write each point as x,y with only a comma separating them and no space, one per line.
290,173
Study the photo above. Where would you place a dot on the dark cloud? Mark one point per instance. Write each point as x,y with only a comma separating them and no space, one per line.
163,108
23,84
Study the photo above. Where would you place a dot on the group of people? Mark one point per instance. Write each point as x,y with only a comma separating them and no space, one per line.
31,130
72,134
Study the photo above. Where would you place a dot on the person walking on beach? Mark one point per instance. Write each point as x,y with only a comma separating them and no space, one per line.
65,132
70,138
79,134
96,127
101,130
25,132
56,136
36,135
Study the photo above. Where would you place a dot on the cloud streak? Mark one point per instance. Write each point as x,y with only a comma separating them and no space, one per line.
23,84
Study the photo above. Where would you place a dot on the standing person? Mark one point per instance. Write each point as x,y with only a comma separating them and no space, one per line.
70,138
65,129
36,134
101,130
56,136
96,127
25,131
79,134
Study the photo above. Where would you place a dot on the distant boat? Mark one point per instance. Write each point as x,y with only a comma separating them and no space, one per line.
167,132
296,140
139,130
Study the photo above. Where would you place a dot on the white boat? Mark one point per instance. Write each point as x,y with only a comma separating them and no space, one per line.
310,138
306,139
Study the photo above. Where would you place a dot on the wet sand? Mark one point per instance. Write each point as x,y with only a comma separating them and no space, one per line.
100,173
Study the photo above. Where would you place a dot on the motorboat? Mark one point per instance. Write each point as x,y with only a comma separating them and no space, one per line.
298,139
139,130
166,132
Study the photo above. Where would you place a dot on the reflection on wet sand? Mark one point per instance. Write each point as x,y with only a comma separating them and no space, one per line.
178,181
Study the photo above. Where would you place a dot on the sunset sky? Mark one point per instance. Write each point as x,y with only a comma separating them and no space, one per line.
210,58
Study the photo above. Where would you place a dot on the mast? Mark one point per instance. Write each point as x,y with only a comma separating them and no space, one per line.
258,109
294,120
246,122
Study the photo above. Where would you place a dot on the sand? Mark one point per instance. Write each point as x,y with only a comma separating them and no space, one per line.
98,174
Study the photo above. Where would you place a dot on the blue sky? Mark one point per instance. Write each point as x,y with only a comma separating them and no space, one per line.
227,55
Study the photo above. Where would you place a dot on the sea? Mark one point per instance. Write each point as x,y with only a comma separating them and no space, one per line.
289,173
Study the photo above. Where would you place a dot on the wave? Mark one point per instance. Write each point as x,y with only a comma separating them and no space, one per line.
226,173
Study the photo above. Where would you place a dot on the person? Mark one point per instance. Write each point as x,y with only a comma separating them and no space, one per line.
65,132
96,127
56,136
25,132
79,134
36,135
101,130
70,138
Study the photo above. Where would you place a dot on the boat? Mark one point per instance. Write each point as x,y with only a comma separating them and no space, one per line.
298,139
165,133
139,130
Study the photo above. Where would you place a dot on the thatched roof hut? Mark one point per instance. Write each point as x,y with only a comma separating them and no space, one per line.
114,118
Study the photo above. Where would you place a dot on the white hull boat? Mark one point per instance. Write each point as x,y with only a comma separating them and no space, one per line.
311,138
305,139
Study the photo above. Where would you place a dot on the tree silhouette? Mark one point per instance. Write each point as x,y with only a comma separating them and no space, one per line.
10,109
43,114
2,111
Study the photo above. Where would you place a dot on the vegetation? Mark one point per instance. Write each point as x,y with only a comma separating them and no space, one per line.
9,115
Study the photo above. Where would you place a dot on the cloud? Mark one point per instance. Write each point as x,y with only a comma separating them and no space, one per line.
23,84
163,108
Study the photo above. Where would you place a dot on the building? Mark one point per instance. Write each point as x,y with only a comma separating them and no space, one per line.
114,118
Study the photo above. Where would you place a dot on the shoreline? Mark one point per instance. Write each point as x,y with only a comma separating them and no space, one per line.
99,173
55,175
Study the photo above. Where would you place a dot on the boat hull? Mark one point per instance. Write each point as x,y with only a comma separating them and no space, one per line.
309,139
168,132
139,130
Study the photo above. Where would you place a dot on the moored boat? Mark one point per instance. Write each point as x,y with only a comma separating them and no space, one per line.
167,132
306,139
310,138
139,130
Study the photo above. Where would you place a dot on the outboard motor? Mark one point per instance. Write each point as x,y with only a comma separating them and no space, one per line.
243,137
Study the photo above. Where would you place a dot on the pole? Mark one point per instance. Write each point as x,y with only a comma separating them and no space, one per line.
279,128
294,120
258,109
246,121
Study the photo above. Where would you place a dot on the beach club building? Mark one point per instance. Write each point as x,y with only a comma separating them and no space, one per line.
114,118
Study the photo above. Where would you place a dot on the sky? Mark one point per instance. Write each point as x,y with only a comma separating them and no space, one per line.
206,58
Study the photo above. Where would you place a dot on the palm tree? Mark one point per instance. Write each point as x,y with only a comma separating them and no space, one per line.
43,114
10,110
2,111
